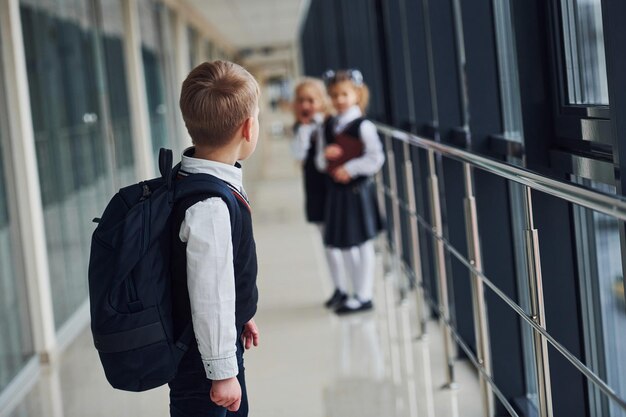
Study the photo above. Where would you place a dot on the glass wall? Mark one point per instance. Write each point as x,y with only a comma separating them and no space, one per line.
111,36
80,120
80,112
16,345
156,72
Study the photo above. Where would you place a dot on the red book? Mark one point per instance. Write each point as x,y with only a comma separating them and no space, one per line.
352,148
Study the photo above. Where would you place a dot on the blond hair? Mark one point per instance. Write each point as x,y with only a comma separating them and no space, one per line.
215,99
363,92
317,86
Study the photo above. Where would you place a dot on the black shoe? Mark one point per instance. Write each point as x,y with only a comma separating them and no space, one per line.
337,299
347,308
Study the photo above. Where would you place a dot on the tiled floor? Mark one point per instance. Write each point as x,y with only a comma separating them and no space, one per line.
310,363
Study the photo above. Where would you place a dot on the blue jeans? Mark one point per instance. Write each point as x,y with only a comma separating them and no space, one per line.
190,389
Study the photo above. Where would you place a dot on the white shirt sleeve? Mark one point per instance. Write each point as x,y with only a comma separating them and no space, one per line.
302,141
211,283
320,159
373,156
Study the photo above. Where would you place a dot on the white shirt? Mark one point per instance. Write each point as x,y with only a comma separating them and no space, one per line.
210,271
373,156
301,141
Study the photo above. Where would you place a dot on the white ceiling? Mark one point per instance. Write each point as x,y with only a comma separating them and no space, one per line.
251,23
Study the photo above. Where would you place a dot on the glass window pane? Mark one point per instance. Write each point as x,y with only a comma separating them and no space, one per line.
584,52
602,298
192,36
155,70
112,40
15,343
509,78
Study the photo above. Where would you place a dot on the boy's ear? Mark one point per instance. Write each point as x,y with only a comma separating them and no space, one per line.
246,129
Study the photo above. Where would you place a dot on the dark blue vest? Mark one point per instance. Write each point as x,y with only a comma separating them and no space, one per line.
314,184
245,267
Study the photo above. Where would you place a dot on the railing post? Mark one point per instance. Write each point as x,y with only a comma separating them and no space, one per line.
440,263
393,188
544,388
478,294
392,322
415,243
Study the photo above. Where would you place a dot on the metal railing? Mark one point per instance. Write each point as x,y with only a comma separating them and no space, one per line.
609,204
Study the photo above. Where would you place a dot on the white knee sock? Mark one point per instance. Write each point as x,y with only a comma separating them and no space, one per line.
365,271
335,265
352,259
334,259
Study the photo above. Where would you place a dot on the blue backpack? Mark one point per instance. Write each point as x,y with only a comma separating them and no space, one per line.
130,278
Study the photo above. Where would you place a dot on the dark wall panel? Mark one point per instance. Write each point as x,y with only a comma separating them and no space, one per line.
416,32
496,240
448,89
459,278
531,36
329,43
397,73
362,50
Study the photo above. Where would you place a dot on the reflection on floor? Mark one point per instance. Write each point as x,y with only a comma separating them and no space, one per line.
310,362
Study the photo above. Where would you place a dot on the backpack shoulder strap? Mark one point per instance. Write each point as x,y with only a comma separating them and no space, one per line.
165,165
197,187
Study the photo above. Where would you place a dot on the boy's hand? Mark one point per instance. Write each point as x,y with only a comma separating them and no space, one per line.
250,335
226,393
341,175
333,152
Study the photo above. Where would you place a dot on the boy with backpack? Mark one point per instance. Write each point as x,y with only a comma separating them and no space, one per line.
214,282
172,269
219,103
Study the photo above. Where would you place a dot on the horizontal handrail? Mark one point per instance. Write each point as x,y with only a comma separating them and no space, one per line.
605,203
582,368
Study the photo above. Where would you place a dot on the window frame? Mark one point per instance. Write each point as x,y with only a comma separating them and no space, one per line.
25,316
577,127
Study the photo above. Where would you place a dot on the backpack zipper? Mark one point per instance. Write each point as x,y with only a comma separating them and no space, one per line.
132,291
146,193
130,284
145,237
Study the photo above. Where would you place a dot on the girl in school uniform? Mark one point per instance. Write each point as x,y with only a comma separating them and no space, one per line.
350,152
310,110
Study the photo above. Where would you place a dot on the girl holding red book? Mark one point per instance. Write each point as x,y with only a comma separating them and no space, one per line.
351,152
